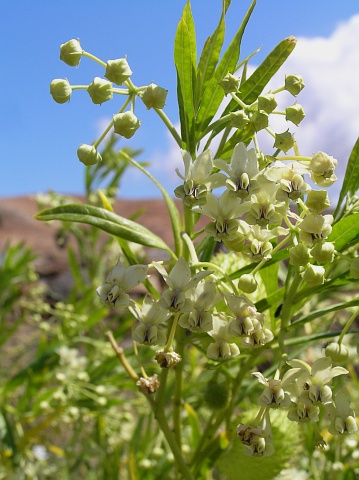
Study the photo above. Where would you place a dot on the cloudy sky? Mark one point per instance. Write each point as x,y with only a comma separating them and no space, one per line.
39,138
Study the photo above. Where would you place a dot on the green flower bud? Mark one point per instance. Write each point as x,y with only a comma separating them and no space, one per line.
322,166
337,352
323,252
71,52
100,90
284,141
259,120
247,283
313,275
126,124
60,90
229,83
317,201
267,103
216,394
239,119
294,84
154,96
88,154
294,114
117,71
354,268
299,255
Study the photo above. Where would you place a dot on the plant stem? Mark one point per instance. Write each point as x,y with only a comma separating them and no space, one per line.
287,307
348,325
169,125
92,57
171,440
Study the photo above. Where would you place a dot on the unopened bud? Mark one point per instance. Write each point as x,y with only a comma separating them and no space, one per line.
60,90
247,283
284,141
71,52
154,96
267,103
88,154
294,113
239,119
294,84
337,352
317,201
126,124
100,90
313,275
229,83
117,71
259,120
299,255
323,252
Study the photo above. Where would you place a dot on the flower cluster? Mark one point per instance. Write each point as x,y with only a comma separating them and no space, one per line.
305,392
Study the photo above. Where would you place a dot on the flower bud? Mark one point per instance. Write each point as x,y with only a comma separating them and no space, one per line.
117,71
154,96
294,114
229,83
267,103
313,275
322,166
100,90
323,252
126,124
88,154
337,352
259,120
60,90
167,359
239,119
354,268
284,141
299,255
247,283
294,84
71,52
317,201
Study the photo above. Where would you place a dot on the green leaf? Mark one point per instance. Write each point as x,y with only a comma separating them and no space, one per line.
254,85
107,221
269,278
185,62
344,231
351,178
209,58
214,93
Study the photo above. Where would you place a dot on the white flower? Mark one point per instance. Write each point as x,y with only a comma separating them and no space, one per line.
275,394
242,170
179,281
265,210
150,316
119,280
341,415
315,228
198,178
289,178
221,349
322,167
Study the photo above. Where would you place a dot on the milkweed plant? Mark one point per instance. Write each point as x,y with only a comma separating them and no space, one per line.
258,289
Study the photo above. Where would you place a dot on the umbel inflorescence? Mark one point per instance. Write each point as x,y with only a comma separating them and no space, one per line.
257,206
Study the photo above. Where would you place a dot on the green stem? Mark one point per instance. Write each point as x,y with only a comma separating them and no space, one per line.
287,307
239,101
216,124
99,140
190,247
92,57
218,269
171,440
168,347
177,406
348,325
169,125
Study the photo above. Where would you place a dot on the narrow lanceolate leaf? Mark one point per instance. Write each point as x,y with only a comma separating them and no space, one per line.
351,178
344,231
254,85
214,93
209,58
185,62
107,221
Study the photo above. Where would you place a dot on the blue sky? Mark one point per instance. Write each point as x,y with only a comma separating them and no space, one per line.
39,138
